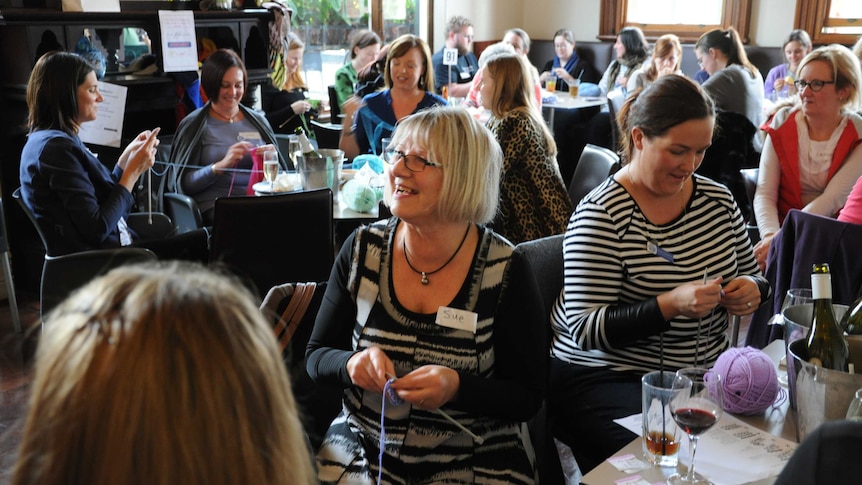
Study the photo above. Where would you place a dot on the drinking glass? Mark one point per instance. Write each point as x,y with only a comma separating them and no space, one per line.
551,84
293,147
854,411
270,168
696,405
384,145
797,296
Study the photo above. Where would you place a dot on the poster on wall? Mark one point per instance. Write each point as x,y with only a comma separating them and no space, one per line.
107,128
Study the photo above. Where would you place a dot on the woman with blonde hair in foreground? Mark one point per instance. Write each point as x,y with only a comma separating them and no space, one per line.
161,375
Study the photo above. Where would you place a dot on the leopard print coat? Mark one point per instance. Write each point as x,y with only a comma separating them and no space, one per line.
534,201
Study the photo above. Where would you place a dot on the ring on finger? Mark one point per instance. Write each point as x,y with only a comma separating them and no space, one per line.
748,304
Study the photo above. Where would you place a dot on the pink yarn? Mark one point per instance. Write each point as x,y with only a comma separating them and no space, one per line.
749,380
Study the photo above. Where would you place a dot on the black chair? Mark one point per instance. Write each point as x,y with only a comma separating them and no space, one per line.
594,167
183,211
63,274
828,455
749,180
732,149
616,98
546,259
328,135
7,272
277,238
334,107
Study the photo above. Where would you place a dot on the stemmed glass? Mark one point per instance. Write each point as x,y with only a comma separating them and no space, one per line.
270,167
696,405
794,296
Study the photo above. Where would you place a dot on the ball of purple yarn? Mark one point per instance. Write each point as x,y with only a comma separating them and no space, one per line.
749,380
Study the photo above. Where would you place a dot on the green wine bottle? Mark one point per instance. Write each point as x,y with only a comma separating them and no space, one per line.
307,148
827,346
851,322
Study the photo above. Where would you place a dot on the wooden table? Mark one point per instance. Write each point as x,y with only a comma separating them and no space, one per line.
780,421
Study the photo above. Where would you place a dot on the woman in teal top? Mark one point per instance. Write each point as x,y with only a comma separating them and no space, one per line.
363,51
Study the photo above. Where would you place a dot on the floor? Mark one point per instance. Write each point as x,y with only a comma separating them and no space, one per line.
16,356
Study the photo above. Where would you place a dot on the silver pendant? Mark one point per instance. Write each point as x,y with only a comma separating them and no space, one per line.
424,278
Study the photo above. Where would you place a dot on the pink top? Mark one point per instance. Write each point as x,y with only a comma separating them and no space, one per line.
852,211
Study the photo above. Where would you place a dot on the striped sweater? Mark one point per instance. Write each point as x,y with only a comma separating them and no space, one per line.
607,263
501,368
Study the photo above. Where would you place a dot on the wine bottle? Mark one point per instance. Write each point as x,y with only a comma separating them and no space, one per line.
307,149
851,322
827,346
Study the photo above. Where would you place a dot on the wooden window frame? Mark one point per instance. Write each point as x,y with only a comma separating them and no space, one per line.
735,13
812,16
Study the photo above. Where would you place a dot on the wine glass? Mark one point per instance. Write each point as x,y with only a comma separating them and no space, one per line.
293,147
270,168
696,405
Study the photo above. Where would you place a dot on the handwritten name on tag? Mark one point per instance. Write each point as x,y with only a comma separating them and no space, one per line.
457,319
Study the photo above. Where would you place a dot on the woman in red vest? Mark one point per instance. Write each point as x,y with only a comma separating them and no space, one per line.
811,158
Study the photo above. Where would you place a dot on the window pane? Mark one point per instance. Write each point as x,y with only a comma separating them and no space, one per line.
327,27
845,9
669,12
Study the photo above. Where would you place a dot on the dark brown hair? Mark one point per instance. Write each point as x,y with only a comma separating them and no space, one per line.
52,91
667,102
729,43
215,68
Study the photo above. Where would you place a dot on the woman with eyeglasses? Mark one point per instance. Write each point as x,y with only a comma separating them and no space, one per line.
566,64
811,157
734,82
432,324
409,88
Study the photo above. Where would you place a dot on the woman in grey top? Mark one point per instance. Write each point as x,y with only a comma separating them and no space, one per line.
734,82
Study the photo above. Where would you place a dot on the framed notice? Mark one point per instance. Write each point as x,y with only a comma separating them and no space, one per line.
107,128
179,45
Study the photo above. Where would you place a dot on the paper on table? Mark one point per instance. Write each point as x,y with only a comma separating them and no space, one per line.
732,452
107,128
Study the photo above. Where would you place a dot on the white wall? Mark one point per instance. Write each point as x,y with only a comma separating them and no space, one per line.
771,19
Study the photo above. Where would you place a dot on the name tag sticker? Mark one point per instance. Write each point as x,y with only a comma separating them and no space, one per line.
457,319
465,73
248,136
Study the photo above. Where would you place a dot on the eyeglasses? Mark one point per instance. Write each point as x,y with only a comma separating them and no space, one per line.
815,85
414,163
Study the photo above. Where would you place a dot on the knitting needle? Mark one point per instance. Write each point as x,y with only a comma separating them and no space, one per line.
478,439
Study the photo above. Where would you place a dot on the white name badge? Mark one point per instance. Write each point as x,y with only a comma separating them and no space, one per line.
457,319
248,136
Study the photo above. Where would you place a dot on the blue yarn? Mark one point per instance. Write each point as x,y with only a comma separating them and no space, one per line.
395,399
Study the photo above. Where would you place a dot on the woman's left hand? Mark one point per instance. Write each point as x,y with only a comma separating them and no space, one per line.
135,145
429,386
741,296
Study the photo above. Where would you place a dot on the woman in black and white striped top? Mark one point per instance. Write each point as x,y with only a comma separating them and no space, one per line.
655,259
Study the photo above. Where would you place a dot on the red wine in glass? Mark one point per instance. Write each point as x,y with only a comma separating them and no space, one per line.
694,421
696,405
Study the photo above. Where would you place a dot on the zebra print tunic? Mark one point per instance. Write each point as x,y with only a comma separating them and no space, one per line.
607,263
422,446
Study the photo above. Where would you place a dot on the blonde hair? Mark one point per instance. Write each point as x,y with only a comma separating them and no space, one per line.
845,71
471,157
514,90
161,374
294,81
857,48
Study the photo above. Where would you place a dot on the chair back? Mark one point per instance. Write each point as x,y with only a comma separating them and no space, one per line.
546,258
328,135
749,180
806,239
30,215
334,107
183,211
595,165
616,98
276,238
63,274
7,272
